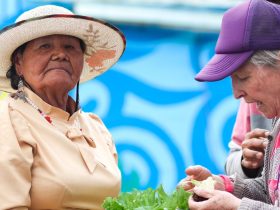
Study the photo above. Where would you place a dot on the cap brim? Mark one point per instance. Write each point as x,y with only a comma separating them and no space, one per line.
222,65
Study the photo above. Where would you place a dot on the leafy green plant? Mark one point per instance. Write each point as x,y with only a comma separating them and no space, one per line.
149,199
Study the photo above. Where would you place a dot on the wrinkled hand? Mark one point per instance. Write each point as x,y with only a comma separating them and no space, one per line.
217,200
199,173
253,148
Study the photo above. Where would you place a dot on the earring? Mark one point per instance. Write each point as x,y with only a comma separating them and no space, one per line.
20,84
20,93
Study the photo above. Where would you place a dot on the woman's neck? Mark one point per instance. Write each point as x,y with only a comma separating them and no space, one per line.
57,99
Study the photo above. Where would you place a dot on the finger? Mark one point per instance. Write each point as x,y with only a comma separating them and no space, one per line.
256,133
203,193
258,144
252,155
195,205
193,170
198,172
252,159
186,185
251,165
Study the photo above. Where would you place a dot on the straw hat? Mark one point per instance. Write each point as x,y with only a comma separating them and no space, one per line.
104,43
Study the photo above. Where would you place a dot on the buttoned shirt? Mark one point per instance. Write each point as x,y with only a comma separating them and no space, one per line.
70,163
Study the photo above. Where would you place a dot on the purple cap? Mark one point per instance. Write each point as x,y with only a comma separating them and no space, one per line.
248,27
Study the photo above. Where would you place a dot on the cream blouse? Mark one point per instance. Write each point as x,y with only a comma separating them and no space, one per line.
70,163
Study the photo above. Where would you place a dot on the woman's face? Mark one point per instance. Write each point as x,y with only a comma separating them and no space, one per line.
51,62
258,85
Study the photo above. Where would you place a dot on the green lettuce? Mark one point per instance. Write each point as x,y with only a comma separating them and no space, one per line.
149,199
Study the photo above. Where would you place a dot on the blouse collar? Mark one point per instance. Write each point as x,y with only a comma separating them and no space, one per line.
52,110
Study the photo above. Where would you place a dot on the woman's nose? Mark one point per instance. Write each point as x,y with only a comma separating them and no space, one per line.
237,91
59,54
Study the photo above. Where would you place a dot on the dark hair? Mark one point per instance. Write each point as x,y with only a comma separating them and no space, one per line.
12,73
83,45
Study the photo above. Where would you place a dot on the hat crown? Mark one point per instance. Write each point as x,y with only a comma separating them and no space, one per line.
251,26
233,27
43,11
104,43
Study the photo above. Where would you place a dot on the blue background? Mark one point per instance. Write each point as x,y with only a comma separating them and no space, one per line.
162,120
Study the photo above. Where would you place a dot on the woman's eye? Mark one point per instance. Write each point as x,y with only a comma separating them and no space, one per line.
69,47
45,46
243,78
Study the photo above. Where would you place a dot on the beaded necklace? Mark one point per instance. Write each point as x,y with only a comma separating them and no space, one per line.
21,95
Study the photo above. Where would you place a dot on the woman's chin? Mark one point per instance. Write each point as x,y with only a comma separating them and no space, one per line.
262,109
61,84
268,115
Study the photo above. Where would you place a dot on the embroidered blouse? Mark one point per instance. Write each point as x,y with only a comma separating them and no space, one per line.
69,164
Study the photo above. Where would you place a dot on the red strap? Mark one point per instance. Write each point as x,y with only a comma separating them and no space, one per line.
228,183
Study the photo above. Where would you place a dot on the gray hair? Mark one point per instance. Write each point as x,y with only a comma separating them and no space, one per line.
266,58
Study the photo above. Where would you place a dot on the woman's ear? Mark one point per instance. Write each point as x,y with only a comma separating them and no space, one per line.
17,61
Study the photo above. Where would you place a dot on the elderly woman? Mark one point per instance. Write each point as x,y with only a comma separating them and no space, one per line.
53,155
248,50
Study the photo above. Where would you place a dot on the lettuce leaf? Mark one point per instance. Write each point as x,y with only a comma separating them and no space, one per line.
149,199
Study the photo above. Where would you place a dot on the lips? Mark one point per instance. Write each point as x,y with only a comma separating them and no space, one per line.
250,101
259,105
59,68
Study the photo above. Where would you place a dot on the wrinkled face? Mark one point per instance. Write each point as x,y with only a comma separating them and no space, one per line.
260,85
51,62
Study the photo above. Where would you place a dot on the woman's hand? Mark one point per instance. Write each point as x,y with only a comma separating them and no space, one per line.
253,148
217,200
199,173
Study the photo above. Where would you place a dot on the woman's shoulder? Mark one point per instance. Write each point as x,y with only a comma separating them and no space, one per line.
11,110
5,103
89,117
92,117
8,104
93,120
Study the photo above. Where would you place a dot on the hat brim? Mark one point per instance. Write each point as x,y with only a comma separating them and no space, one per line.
104,43
222,65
